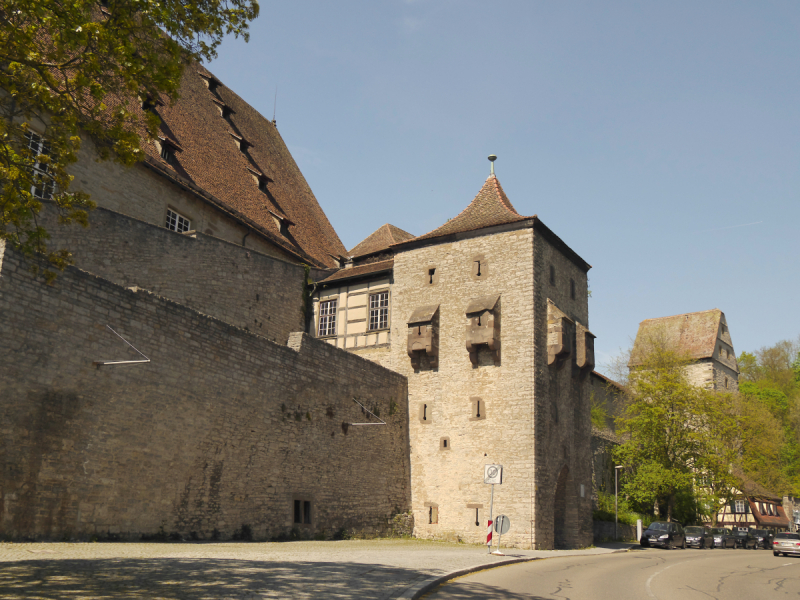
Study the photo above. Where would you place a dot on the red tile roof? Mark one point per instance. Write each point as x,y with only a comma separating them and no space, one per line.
210,158
692,333
490,207
368,269
379,240
779,520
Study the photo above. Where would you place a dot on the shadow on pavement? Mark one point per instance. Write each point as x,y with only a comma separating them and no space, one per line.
468,590
181,578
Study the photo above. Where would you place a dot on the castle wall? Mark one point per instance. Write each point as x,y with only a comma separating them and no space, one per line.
140,192
450,480
238,285
562,414
222,428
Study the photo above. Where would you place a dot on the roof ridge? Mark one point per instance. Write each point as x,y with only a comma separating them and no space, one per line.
504,201
696,312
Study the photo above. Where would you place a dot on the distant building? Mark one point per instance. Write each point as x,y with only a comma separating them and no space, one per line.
703,337
753,506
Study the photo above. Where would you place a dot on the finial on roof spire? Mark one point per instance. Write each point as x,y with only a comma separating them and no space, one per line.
492,158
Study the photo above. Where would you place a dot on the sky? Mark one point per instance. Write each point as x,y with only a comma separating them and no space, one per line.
659,140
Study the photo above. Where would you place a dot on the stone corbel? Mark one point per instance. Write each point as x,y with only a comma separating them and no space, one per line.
559,346
585,352
423,336
483,327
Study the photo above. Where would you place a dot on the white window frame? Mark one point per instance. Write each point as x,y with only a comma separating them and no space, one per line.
738,506
38,146
326,325
177,222
378,311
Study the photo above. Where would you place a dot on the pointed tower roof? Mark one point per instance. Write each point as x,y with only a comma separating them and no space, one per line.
490,207
380,239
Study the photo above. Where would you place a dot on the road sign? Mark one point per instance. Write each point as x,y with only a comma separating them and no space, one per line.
493,474
502,524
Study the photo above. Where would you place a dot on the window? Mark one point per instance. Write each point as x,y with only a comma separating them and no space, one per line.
444,443
262,184
176,222
302,512
552,275
770,510
167,153
424,413
478,409
480,267
432,277
477,517
379,311
738,506
327,318
433,515
572,289
43,186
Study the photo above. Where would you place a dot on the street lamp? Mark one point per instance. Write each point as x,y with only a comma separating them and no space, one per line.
616,480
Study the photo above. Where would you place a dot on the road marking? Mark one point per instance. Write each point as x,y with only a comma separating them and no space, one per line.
647,584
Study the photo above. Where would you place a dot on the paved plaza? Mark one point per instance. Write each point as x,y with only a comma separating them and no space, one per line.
375,569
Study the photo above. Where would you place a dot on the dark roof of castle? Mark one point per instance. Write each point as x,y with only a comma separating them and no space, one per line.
379,240
209,157
490,207
694,334
361,270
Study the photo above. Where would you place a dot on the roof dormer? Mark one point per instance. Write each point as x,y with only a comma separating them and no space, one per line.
212,83
240,142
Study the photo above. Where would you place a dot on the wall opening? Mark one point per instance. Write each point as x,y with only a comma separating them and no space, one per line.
478,409
552,275
433,515
444,443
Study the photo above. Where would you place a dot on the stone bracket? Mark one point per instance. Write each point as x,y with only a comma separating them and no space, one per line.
585,348
559,344
423,336
483,327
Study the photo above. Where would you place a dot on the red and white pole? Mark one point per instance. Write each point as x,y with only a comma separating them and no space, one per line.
491,520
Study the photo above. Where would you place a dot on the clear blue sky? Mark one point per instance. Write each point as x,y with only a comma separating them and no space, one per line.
660,140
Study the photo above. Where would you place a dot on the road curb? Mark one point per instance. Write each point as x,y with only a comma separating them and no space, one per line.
417,590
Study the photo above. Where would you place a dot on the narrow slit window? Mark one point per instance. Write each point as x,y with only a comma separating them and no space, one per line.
177,222
478,268
478,409
477,517
433,515
327,318
552,275
379,311
431,274
306,512
298,517
424,412
572,289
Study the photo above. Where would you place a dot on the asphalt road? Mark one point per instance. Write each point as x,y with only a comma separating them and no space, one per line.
639,574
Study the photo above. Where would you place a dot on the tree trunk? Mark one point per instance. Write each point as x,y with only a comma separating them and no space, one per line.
670,506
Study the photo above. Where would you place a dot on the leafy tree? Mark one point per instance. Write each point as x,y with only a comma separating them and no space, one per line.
74,67
674,434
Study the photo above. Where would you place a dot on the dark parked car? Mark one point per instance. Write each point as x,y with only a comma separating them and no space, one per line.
699,537
763,539
743,539
785,543
665,535
723,537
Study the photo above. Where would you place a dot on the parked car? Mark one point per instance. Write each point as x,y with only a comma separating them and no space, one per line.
743,539
723,537
699,537
785,543
763,539
666,535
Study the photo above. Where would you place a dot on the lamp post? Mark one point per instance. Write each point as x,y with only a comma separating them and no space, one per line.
616,518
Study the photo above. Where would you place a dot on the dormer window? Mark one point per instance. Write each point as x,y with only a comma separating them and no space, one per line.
240,142
150,104
262,184
282,223
168,154
43,186
212,83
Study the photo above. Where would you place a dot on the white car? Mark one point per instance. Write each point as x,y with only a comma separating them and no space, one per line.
786,543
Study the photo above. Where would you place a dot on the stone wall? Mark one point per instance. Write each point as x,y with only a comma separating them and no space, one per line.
562,414
142,193
450,479
603,531
238,285
222,428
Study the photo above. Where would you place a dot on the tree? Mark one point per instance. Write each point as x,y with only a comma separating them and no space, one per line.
72,67
675,435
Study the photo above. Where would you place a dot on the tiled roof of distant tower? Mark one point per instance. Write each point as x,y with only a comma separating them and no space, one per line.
210,158
381,239
694,334
490,207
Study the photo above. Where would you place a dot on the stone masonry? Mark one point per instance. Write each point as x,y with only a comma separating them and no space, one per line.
243,287
222,429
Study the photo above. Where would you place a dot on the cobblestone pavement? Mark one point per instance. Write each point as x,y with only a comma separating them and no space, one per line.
379,569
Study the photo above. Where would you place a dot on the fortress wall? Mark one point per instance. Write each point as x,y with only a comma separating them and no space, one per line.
224,280
223,428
